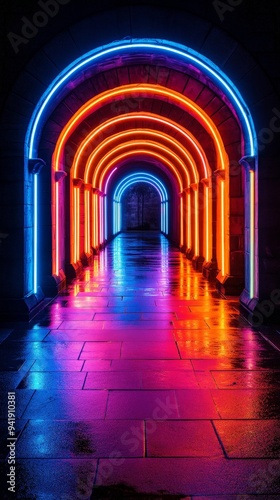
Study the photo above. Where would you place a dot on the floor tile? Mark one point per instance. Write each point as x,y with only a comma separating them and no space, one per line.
205,380
187,476
117,316
113,380
247,379
238,363
149,350
247,403
11,365
101,350
152,324
250,438
142,405
157,316
169,380
35,335
57,365
52,380
81,439
80,325
109,335
42,350
183,439
94,365
66,405
153,364
10,380
45,479
4,434
22,399
5,333
196,404
192,324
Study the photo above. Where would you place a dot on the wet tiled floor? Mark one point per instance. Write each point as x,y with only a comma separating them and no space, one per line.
141,382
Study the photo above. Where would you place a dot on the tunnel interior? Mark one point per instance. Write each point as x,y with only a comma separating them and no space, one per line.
149,115
141,208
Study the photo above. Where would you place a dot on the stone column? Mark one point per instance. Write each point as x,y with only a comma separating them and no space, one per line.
197,222
230,280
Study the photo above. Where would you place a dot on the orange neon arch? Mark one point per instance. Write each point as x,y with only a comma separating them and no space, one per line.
146,146
98,209
98,220
184,232
135,135
193,145
153,91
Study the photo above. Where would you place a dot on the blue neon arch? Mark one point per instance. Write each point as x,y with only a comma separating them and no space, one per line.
128,181
148,45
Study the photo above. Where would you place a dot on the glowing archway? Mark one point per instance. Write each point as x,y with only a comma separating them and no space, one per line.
99,213
170,48
192,142
182,101
219,79
133,179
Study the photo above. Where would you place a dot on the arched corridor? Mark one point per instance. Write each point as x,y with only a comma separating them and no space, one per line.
140,249
176,122
163,104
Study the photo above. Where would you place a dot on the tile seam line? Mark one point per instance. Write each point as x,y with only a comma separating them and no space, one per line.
219,439
269,341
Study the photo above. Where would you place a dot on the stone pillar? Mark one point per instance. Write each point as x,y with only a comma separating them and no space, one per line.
189,222
95,221
184,221
231,280
55,281
86,216
198,223
209,268
75,267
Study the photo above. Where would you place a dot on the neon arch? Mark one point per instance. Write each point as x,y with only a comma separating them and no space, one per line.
158,91
139,132
155,91
154,146
96,225
171,48
186,134
206,66
133,179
